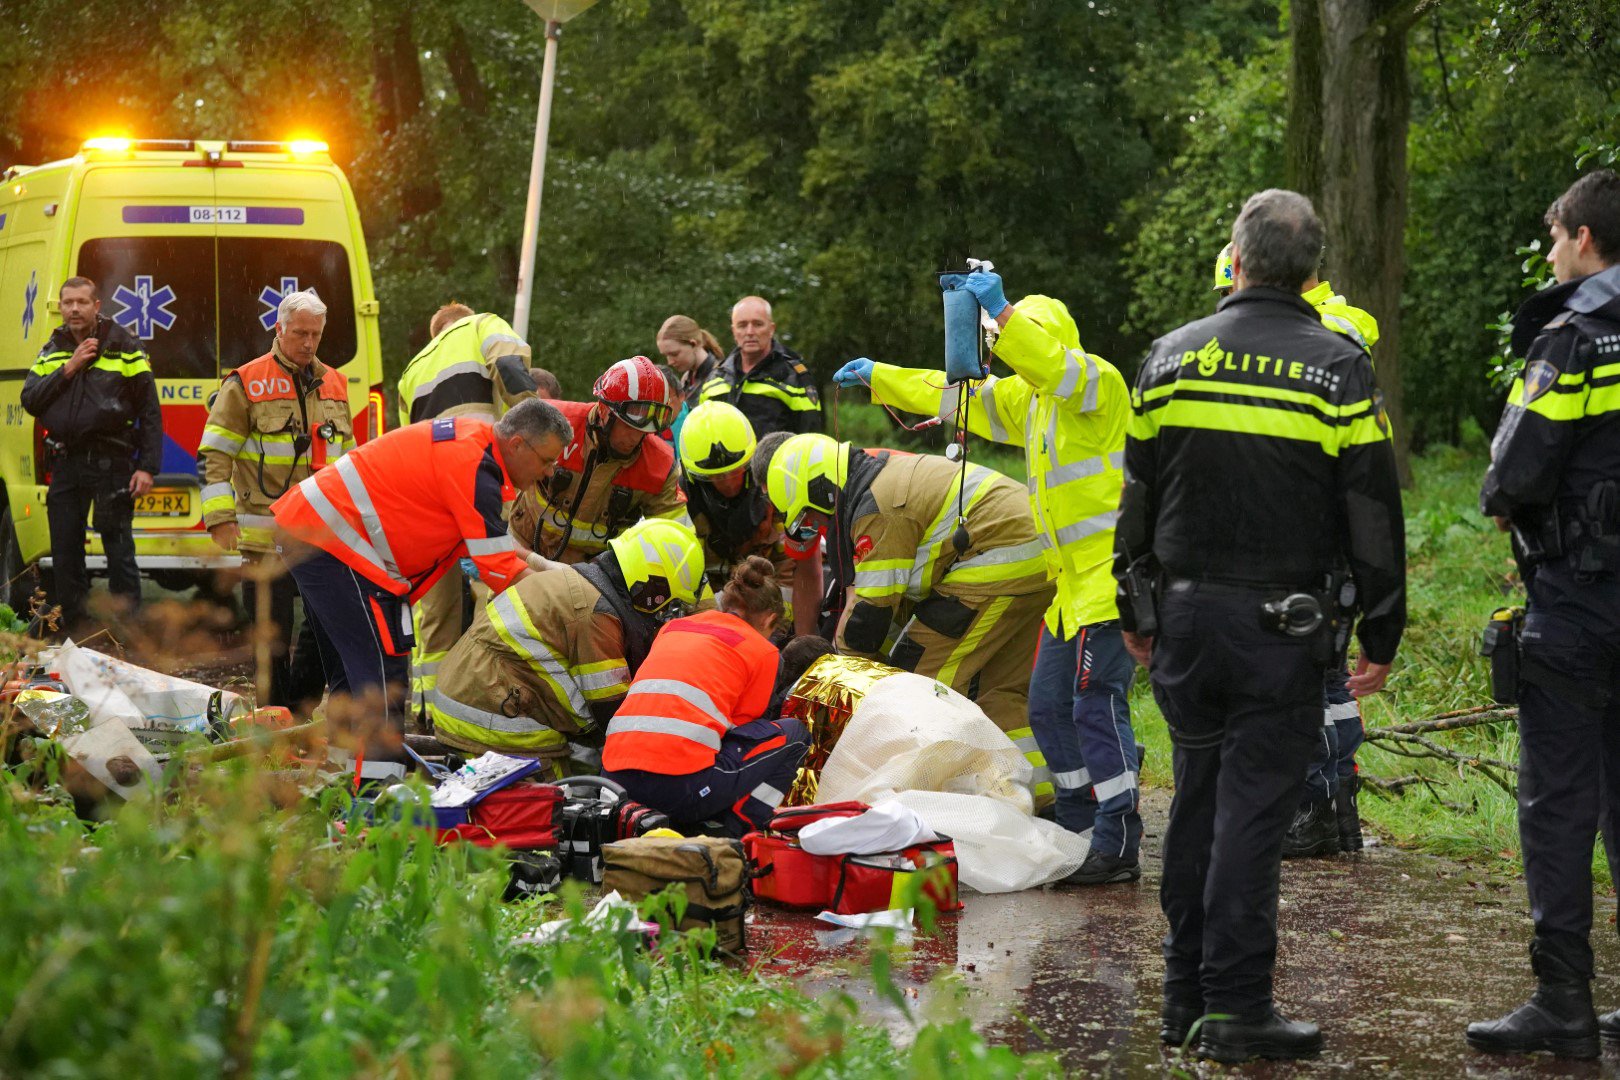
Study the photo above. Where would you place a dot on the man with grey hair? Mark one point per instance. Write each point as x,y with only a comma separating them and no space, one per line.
369,536
275,420
766,380
1239,615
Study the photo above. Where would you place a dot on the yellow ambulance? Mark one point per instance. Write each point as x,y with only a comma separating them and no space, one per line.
192,243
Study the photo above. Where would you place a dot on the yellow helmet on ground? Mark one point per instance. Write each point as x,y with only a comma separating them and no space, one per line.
1223,270
662,563
806,473
716,438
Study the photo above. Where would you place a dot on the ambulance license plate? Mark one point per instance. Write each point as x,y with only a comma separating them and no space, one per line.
164,502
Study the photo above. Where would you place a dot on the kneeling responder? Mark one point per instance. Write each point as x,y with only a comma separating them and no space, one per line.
374,531
475,365
553,656
1328,820
610,475
1068,409
275,421
692,738
731,513
958,544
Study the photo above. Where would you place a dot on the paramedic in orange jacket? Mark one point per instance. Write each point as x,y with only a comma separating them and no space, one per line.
693,738
374,531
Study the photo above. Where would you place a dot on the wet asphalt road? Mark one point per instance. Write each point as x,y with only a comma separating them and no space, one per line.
1392,953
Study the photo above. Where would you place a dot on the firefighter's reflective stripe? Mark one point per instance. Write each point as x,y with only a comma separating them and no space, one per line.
974,485
876,578
218,497
465,367
1000,564
1072,780
975,636
511,621
602,681
1041,781
492,546
443,708
221,439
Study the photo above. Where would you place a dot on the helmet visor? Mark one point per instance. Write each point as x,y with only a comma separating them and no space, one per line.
801,529
648,416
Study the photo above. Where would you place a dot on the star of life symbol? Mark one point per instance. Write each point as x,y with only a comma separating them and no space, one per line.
145,311
271,298
30,294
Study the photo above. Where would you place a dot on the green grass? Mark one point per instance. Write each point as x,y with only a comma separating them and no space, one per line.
1459,570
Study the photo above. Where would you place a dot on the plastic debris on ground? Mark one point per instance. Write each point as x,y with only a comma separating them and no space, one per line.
160,709
823,699
888,826
918,742
612,911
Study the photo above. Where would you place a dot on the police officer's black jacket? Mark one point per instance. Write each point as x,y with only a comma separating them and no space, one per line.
778,395
1259,454
110,404
1560,433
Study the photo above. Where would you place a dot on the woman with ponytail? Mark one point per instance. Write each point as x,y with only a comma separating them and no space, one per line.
694,353
692,738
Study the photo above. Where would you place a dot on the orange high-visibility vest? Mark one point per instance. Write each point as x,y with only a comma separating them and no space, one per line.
705,675
402,508
264,379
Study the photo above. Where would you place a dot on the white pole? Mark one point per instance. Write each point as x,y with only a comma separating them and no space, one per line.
537,179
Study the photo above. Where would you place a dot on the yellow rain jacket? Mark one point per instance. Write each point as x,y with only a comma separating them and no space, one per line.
1068,409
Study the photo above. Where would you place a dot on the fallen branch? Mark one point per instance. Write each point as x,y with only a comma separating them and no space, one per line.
1450,721
1418,746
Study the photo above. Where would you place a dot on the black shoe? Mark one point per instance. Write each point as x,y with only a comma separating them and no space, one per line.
1176,1023
1344,808
1558,1017
1315,831
1609,1026
1101,869
1232,1041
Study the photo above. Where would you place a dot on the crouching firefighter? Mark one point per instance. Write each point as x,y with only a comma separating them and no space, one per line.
731,514
1552,481
957,544
550,659
611,475
1068,409
696,737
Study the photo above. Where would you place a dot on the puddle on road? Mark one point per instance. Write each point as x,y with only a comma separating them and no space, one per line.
1392,953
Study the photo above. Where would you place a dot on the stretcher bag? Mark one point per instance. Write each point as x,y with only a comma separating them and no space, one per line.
784,872
713,870
524,815
874,882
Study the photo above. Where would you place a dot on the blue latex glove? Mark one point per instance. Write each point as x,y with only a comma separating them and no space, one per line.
857,372
469,570
985,285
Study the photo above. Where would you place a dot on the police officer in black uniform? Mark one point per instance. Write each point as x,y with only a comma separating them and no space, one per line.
92,391
1260,408
1555,466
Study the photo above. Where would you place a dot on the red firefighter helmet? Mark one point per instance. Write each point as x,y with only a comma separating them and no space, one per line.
636,392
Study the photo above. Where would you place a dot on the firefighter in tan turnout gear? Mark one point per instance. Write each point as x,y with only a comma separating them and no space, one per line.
976,585
611,474
553,656
275,420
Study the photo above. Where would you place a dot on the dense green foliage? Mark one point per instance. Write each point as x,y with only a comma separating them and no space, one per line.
220,936
832,156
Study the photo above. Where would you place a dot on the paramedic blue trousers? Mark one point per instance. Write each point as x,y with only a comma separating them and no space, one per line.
749,779
1081,717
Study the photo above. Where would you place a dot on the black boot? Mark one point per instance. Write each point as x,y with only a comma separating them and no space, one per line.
1344,806
1176,1022
1609,1026
1232,1041
1101,869
1558,1016
1315,831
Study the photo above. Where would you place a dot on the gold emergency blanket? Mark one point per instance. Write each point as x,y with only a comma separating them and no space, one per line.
823,698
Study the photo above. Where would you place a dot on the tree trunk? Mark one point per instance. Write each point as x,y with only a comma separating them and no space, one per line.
1366,99
1302,144
399,94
